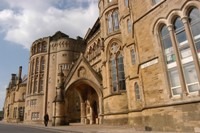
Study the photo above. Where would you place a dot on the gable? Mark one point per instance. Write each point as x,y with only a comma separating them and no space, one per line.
83,71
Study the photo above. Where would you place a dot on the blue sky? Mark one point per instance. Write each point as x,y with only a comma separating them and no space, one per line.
24,21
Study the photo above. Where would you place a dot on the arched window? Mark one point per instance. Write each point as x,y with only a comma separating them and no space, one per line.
41,84
182,70
133,56
137,91
194,19
44,47
113,21
110,29
116,20
37,65
170,61
42,64
39,47
32,66
129,26
186,57
35,86
117,69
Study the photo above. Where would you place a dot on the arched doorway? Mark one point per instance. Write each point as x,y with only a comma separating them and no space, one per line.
83,103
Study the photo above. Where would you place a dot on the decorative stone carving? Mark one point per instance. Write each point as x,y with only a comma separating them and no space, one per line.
81,72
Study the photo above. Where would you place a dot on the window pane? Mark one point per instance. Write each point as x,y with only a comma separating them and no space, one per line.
129,25
133,58
191,77
113,74
137,91
174,78
176,91
181,36
194,17
110,23
116,20
193,87
121,74
167,45
178,24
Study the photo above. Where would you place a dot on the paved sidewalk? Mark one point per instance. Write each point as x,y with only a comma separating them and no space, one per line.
79,128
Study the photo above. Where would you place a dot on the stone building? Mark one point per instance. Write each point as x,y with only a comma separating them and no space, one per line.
138,66
15,98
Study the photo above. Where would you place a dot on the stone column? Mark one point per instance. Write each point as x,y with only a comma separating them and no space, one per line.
83,112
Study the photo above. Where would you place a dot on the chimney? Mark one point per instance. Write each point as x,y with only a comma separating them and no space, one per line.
13,79
20,75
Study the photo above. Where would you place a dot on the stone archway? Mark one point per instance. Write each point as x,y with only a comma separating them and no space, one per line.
89,106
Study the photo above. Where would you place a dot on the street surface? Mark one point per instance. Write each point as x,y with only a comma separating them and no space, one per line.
9,128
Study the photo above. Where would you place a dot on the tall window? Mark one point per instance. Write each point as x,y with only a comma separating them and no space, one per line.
170,61
194,18
133,56
116,20
188,72
41,84
186,57
137,91
32,67
42,64
44,47
35,86
39,47
37,65
113,21
110,29
129,26
117,69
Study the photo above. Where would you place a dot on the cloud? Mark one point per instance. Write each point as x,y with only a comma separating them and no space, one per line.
24,21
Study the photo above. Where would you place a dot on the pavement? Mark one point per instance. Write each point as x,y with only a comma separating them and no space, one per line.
80,128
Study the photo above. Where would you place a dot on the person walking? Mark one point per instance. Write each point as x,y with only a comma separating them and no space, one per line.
46,119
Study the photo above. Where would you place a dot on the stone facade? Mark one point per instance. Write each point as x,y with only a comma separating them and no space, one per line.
138,66
14,104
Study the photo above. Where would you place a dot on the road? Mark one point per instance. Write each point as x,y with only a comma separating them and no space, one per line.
9,128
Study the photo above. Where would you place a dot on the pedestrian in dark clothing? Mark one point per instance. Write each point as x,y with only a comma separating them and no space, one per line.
46,119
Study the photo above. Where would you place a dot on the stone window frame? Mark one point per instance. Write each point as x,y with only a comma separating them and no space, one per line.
42,64
133,56
183,14
113,23
114,56
35,115
129,26
137,91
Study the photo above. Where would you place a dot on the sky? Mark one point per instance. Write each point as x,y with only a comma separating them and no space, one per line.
24,21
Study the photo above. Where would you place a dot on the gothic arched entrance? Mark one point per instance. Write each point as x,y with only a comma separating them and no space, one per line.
83,101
